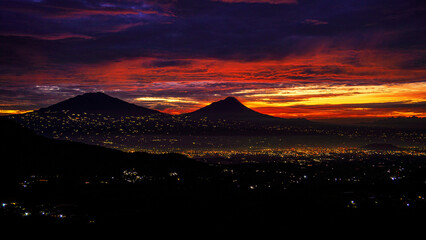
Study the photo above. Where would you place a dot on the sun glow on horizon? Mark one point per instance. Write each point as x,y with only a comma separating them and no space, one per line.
11,112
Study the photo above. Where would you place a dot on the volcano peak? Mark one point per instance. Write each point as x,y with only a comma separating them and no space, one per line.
99,102
229,108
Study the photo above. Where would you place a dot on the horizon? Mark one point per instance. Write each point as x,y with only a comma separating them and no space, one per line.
343,120
316,59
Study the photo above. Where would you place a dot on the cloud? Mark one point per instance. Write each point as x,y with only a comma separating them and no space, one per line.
77,8
50,37
314,22
160,63
389,109
205,50
204,29
261,1
383,105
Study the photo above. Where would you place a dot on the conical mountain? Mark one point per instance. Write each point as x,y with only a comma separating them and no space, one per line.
100,103
230,109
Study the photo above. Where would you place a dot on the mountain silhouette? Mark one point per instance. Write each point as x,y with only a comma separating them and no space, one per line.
100,103
230,109
400,122
381,147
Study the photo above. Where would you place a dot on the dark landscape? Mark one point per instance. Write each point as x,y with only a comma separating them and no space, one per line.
62,181
158,118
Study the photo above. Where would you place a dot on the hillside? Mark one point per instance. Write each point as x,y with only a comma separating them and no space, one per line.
25,154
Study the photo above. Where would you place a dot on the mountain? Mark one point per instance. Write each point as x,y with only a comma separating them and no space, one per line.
408,123
100,103
381,147
229,109
232,109
400,122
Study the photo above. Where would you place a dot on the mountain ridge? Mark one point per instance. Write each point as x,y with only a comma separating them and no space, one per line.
381,147
46,156
229,108
99,102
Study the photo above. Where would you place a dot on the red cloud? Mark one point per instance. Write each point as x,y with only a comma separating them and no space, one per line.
255,83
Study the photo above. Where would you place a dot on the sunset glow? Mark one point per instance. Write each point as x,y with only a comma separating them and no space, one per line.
284,58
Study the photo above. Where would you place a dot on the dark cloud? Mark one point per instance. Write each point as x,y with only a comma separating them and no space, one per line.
315,22
261,1
407,106
206,29
415,63
400,105
29,97
169,63
78,8
330,69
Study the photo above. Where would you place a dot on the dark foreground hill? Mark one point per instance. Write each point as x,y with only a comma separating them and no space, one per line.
25,154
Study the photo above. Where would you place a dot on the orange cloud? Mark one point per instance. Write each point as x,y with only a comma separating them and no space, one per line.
10,112
371,67
321,85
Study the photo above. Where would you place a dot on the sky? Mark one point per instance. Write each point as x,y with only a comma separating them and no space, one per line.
314,59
